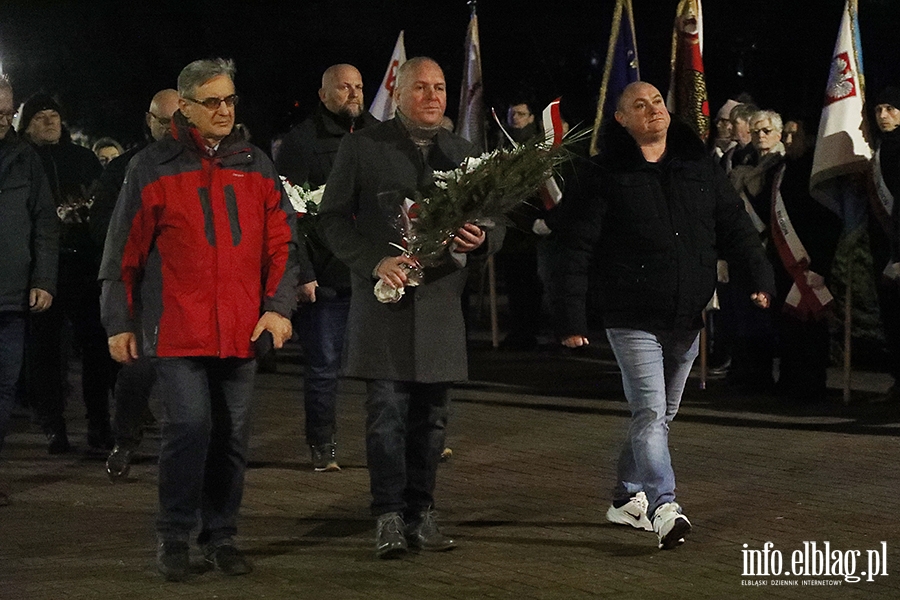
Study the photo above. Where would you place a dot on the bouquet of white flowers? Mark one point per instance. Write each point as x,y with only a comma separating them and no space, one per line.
304,200
481,191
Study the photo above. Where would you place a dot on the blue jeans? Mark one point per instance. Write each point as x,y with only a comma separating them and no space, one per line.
12,350
205,428
655,366
321,326
405,427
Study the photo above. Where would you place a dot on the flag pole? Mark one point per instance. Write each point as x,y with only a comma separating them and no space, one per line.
848,306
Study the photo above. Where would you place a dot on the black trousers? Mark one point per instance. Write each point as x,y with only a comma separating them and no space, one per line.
78,301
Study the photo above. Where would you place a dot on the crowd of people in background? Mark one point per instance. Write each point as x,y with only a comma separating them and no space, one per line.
127,230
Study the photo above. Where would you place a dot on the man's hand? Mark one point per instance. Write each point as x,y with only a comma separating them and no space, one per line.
575,341
306,293
468,238
391,271
123,348
278,326
39,300
761,299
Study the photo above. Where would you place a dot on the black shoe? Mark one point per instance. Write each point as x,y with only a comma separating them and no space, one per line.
228,559
324,457
118,463
389,539
58,442
172,560
423,533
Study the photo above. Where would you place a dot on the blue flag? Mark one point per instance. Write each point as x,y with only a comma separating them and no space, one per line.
621,66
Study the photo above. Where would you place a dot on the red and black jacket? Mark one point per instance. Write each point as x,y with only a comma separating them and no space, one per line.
198,247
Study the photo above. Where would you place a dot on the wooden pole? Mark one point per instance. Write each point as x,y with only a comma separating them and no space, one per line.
492,300
848,306
704,358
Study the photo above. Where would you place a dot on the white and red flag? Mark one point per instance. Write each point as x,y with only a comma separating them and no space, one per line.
843,151
687,96
553,132
471,121
383,105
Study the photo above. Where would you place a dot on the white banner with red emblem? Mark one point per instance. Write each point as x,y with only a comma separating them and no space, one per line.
383,105
842,145
808,297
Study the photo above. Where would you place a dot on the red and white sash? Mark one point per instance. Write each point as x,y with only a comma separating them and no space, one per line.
806,298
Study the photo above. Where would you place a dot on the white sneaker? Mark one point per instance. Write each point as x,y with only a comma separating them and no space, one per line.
670,525
633,513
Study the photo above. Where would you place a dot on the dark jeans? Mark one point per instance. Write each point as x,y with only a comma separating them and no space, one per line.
78,300
321,326
134,383
12,349
405,426
205,428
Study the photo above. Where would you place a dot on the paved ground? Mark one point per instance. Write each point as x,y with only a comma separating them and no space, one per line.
534,438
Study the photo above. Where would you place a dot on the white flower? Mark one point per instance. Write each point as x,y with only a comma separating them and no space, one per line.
303,200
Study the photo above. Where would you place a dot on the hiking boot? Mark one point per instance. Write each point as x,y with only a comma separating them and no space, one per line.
324,457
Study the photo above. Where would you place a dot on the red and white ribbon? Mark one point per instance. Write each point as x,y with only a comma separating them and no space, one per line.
808,296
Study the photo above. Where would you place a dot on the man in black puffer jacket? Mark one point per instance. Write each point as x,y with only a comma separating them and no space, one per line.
657,216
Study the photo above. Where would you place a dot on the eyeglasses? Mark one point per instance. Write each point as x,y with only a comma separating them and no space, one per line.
9,116
764,131
164,121
215,103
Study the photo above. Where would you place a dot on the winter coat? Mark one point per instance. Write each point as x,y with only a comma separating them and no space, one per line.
422,337
306,156
201,244
29,227
653,232
71,171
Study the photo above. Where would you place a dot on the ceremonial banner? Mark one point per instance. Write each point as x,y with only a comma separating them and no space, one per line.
471,119
621,66
687,82
843,151
383,105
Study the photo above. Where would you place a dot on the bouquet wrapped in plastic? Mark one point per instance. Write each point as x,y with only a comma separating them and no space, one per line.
480,191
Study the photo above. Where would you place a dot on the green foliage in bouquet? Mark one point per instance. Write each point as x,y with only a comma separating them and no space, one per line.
482,189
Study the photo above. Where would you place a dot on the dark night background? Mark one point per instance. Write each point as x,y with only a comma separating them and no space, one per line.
104,60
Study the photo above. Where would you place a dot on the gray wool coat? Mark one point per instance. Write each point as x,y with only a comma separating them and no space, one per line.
422,337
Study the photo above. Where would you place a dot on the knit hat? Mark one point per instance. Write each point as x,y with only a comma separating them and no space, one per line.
725,111
889,95
34,105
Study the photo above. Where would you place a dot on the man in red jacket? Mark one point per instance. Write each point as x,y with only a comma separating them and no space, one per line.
201,249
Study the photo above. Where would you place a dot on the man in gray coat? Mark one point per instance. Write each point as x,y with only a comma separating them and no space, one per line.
29,247
410,351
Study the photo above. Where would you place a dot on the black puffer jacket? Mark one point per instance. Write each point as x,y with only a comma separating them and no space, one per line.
29,227
306,157
652,233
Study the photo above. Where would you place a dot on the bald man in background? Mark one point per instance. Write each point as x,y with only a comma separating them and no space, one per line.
305,158
133,381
